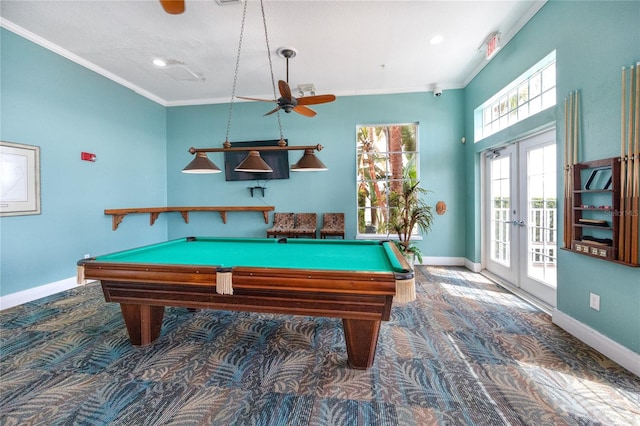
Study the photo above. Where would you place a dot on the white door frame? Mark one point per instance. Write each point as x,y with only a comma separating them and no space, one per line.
515,272
508,271
535,285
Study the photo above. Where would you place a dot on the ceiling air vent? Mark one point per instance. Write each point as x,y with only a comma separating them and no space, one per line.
227,2
180,71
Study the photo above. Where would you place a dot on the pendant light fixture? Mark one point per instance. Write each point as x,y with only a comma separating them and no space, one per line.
253,163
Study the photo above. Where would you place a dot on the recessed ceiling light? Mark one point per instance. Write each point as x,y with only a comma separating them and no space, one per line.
436,40
159,62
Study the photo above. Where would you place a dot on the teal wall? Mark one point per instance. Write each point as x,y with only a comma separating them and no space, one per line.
593,40
49,101
440,130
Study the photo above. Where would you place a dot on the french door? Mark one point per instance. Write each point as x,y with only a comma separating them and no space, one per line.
520,229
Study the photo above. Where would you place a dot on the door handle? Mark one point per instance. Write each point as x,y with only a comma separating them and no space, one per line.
518,222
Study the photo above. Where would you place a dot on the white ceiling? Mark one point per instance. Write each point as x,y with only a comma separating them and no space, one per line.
344,47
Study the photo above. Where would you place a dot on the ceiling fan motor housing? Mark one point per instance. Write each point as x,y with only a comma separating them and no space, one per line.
287,104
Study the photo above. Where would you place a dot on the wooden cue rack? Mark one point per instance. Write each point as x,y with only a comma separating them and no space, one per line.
119,214
596,213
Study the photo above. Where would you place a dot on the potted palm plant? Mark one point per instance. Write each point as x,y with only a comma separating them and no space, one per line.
407,211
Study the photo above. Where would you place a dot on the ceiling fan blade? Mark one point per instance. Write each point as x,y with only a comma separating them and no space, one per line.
307,112
285,91
173,7
273,110
314,100
256,99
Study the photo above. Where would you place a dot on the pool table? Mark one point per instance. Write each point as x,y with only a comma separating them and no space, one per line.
348,279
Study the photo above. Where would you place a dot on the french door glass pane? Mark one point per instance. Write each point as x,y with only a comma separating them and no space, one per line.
500,205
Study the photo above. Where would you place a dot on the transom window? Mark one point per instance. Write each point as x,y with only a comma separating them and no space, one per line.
386,156
527,95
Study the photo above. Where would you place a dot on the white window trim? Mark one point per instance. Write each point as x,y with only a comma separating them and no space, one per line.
390,237
477,113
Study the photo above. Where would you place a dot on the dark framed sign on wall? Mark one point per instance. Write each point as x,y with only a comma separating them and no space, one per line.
19,179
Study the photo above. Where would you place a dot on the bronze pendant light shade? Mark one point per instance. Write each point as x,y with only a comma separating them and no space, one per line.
201,165
309,163
253,164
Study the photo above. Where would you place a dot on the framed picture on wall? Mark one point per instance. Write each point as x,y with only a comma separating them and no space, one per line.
19,179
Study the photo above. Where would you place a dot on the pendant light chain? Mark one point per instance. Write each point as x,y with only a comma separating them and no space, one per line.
273,80
235,76
253,163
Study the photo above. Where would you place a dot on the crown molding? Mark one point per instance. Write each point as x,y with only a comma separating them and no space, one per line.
4,23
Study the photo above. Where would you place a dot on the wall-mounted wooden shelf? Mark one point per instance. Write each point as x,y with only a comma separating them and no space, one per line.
595,216
594,209
119,214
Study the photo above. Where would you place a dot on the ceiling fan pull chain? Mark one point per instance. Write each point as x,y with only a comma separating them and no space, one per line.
273,81
235,76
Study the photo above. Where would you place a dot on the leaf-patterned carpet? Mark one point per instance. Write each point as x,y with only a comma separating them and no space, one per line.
465,353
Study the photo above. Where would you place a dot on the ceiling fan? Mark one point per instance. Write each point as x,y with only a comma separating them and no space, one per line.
173,7
288,102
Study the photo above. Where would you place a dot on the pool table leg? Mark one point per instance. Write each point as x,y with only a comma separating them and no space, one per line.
143,322
361,337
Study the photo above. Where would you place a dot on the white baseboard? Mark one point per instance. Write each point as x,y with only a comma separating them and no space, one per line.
450,261
442,261
472,266
612,349
15,299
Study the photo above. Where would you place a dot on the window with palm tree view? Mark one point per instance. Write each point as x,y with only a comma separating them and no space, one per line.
386,157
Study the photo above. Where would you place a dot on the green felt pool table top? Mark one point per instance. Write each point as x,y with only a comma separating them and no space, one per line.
341,255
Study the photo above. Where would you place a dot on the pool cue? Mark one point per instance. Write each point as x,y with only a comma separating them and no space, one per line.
623,168
574,160
566,177
629,158
570,169
635,200
576,127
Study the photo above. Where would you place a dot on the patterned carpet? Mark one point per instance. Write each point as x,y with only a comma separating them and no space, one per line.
465,353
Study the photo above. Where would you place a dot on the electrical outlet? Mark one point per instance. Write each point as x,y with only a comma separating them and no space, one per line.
594,301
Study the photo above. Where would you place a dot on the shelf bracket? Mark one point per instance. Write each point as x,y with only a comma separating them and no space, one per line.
116,219
152,217
185,216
